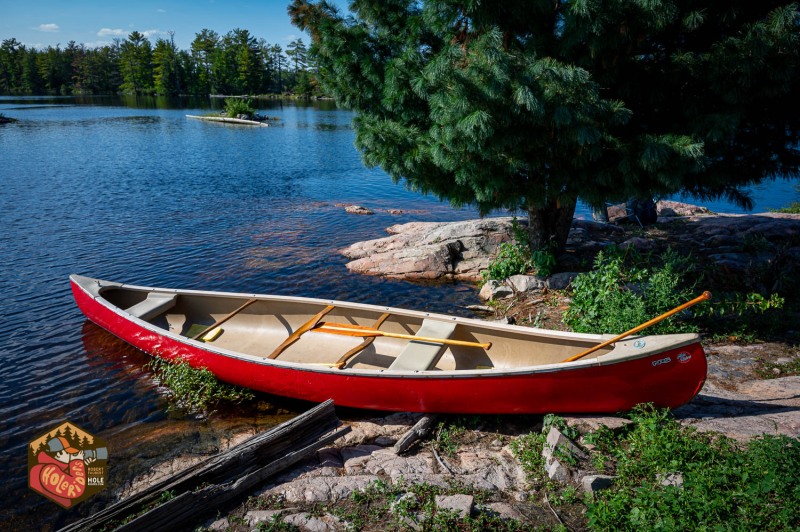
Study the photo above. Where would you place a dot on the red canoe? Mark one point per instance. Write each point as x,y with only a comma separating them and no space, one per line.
383,358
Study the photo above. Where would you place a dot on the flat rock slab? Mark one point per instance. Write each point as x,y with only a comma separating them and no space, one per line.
752,409
431,250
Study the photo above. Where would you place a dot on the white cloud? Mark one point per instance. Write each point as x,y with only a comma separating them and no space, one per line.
48,28
97,44
153,33
108,32
161,10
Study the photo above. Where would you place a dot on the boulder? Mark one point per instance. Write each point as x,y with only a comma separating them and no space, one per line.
675,208
589,423
593,483
495,290
560,281
558,444
357,209
460,504
526,283
431,250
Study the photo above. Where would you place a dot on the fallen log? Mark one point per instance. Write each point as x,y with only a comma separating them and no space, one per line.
420,430
200,489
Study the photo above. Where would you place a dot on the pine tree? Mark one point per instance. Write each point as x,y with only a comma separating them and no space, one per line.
203,48
136,64
165,73
532,104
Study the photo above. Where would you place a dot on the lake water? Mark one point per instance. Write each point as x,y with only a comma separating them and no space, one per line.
131,190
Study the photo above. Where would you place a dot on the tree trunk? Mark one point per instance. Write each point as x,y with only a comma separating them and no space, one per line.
548,225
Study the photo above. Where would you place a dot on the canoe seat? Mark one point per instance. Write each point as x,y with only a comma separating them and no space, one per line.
422,356
154,305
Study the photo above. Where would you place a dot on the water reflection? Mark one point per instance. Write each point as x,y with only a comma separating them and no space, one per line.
141,194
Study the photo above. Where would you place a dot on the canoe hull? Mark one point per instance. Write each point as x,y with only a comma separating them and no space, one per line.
666,379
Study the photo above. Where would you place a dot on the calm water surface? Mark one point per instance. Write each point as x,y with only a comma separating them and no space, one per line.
133,191
143,195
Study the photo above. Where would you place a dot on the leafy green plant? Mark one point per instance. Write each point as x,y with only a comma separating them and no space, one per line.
446,441
239,106
194,390
511,259
276,524
543,262
622,291
516,257
738,304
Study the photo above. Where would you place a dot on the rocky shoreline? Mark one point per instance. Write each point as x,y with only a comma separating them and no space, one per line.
481,475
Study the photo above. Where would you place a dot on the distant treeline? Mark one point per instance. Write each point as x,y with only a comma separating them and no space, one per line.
234,63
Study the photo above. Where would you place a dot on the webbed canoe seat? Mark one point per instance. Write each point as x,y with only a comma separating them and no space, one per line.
155,305
422,356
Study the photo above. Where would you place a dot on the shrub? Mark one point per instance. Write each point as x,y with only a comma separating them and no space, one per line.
516,258
616,296
238,106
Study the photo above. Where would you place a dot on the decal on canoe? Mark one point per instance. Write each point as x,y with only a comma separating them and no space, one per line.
684,357
638,344
660,361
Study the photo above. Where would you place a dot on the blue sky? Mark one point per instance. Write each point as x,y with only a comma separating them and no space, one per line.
40,23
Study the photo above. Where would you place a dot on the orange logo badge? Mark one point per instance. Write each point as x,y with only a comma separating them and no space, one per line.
67,465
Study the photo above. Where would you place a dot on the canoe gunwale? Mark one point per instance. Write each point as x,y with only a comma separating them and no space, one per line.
610,358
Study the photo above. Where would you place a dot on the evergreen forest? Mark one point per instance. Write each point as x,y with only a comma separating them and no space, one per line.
231,64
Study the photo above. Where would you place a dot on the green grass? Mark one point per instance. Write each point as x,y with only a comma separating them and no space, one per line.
726,485
194,390
403,506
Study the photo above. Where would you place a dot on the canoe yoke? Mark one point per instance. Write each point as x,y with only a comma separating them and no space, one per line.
154,305
422,356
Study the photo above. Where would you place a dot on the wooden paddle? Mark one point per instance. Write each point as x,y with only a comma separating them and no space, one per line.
705,296
363,332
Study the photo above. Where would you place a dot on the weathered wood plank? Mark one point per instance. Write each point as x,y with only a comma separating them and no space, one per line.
204,486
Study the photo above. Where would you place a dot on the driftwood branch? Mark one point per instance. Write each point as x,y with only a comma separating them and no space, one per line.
418,431
205,486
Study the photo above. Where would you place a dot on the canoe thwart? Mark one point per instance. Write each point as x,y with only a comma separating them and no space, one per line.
295,336
342,362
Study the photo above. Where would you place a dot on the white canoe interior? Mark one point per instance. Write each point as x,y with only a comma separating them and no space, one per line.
262,327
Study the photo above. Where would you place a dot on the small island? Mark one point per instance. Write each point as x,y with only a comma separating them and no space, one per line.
237,111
